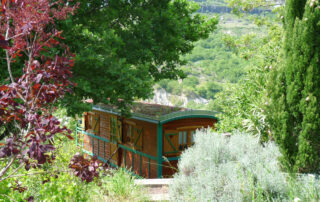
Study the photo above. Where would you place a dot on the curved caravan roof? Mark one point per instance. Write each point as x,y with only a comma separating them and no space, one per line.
156,113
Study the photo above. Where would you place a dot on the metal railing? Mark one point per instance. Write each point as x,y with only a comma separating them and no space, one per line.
126,150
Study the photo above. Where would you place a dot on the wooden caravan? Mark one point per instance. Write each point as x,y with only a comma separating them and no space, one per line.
149,143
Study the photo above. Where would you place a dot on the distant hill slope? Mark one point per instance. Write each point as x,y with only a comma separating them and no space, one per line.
210,65
221,6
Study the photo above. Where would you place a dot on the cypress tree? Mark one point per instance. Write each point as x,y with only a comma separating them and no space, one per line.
294,110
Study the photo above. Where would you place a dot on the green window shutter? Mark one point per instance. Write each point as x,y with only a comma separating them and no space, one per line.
96,127
129,132
119,131
138,137
113,129
192,137
173,149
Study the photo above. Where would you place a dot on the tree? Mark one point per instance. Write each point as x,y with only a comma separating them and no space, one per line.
123,47
242,103
28,33
295,89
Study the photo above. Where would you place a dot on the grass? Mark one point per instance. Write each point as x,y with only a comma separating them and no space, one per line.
53,185
118,185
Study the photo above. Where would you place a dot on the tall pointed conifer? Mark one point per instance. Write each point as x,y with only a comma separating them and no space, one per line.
294,110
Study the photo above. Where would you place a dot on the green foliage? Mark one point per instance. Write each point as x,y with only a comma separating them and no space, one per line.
119,185
237,168
243,104
294,89
248,5
123,47
49,183
237,47
55,182
305,187
212,59
65,120
210,64
176,100
208,89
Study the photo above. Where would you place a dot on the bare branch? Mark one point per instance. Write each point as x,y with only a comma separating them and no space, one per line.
15,36
8,197
13,172
9,62
35,99
7,53
9,66
39,173
6,168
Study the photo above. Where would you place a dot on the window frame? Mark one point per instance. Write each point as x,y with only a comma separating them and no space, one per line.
133,134
186,136
115,130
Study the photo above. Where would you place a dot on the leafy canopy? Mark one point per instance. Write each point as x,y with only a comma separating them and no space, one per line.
27,32
123,47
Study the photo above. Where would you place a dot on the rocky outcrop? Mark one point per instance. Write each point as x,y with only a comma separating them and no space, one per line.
164,98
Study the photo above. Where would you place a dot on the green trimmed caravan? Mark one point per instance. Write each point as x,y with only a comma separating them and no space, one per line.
149,143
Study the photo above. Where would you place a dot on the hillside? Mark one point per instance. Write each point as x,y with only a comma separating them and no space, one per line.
212,63
223,6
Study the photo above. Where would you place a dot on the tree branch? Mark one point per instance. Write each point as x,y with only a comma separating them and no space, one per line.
38,173
13,172
15,36
8,197
6,168
10,73
9,61
7,53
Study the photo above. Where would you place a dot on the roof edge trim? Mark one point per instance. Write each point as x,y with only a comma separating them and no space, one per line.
165,118
117,113
188,114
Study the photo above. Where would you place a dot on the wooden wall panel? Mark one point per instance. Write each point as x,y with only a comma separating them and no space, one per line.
146,164
173,136
85,140
153,169
173,128
149,143
149,136
149,146
95,146
96,123
114,159
87,143
205,122
105,125
105,149
169,169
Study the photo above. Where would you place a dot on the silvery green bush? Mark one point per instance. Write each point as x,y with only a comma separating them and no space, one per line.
235,168
305,187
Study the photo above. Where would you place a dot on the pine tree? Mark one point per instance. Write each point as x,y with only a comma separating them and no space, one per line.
295,94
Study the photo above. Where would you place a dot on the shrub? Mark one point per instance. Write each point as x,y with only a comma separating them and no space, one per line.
236,168
228,169
294,89
119,185
51,182
56,182
305,187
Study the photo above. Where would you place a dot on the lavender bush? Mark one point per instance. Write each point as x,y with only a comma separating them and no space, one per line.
236,168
